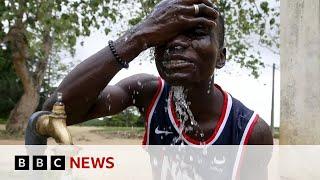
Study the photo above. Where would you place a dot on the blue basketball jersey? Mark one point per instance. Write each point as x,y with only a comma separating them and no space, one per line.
234,127
162,125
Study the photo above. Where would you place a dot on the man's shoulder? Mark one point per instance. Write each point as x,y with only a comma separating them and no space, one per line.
261,134
239,109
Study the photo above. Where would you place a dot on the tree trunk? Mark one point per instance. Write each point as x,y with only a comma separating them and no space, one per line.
31,81
21,112
29,100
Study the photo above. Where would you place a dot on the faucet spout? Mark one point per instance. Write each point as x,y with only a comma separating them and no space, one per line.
54,125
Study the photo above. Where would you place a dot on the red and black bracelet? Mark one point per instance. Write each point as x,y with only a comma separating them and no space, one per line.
122,63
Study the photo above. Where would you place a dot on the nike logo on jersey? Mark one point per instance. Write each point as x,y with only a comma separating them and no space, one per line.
157,131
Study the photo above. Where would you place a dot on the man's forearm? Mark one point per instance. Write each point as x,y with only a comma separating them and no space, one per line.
83,84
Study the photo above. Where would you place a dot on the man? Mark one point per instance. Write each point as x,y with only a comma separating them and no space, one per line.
181,107
188,37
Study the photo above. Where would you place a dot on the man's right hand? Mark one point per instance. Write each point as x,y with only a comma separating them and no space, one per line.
172,17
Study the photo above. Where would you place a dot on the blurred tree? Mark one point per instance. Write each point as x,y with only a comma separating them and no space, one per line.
10,85
248,23
32,29
127,118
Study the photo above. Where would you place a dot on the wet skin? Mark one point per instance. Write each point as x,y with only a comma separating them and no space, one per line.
187,52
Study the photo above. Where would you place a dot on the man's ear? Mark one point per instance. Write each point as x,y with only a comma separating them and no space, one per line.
221,61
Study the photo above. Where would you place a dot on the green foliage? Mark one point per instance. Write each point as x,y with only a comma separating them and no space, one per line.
62,20
276,133
3,120
128,118
10,85
244,19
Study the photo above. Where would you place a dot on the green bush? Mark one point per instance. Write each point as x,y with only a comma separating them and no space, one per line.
128,118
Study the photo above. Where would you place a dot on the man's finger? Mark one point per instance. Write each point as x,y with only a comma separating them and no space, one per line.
196,21
191,2
204,11
207,11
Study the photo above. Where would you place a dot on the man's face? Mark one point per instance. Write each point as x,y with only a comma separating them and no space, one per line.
190,57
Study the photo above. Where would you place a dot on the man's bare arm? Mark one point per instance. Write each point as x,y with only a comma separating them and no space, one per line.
83,85
137,90
257,158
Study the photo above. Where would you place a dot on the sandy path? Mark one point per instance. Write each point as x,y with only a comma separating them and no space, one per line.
80,135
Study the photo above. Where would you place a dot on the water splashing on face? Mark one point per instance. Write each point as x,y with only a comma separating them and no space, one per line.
184,113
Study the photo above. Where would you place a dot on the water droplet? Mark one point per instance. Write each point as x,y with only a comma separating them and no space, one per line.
145,46
155,162
59,97
191,158
139,83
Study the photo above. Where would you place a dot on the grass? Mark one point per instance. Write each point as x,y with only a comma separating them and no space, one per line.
121,132
276,133
94,122
3,120
5,135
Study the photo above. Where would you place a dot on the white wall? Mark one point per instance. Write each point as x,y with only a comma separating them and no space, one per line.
300,72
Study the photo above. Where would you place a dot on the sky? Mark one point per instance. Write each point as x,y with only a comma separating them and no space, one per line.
254,93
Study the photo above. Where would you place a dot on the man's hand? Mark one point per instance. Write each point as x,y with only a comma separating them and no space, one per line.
172,17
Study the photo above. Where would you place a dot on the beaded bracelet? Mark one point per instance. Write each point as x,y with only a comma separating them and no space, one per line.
122,63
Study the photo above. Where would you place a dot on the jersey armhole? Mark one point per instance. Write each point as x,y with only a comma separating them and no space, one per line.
249,129
149,109
154,98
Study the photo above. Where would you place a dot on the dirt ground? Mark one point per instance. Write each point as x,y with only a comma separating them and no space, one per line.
81,135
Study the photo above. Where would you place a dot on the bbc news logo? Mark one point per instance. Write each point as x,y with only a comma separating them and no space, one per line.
39,162
59,162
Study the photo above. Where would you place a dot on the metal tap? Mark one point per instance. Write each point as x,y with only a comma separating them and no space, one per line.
54,124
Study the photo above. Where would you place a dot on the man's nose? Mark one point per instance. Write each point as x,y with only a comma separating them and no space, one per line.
180,42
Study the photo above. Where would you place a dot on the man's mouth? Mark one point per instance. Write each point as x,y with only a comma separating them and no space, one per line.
177,64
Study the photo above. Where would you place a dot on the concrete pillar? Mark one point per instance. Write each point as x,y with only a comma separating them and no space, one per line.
300,72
